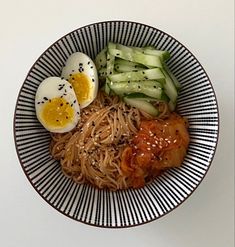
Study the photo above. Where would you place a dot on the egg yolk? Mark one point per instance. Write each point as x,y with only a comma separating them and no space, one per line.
57,112
81,85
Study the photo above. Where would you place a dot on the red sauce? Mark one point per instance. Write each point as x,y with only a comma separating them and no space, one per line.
159,144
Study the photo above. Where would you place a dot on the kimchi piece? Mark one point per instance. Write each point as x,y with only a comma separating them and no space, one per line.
158,145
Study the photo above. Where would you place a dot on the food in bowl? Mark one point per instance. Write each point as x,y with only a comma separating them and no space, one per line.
127,132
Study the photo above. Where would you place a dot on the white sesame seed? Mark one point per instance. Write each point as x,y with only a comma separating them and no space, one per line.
148,149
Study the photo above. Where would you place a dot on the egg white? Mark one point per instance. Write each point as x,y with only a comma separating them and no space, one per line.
79,62
55,87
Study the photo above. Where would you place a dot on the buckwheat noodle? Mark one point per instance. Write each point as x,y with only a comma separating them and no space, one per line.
92,151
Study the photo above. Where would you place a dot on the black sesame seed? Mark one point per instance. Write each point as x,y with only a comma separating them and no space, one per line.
65,91
72,70
67,103
117,54
110,72
60,88
93,79
100,60
62,78
61,96
91,67
66,117
57,120
78,113
80,64
129,81
71,87
88,62
139,87
143,72
71,104
38,103
49,100
154,86
146,77
42,102
70,74
74,101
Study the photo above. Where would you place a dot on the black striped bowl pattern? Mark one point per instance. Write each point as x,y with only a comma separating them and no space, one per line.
104,208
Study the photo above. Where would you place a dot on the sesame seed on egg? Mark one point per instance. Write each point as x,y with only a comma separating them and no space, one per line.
54,111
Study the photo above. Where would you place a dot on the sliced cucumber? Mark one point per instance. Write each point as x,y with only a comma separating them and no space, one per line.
164,55
173,78
126,68
170,88
147,74
142,105
150,88
107,87
172,105
101,59
141,96
110,66
136,56
102,72
129,63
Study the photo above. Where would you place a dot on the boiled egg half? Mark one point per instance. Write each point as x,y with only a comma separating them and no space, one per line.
56,105
81,72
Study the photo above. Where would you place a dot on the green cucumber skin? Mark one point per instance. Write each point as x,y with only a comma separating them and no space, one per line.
148,74
101,59
118,63
110,66
137,57
142,105
126,68
149,88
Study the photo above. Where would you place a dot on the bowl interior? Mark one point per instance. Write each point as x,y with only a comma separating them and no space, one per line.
85,203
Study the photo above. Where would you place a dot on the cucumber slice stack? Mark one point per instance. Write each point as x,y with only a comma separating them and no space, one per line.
138,75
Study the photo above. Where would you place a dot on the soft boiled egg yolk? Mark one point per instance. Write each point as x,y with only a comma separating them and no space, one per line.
56,105
81,72
57,112
82,87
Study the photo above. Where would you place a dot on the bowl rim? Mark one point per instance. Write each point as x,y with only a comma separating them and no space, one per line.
170,210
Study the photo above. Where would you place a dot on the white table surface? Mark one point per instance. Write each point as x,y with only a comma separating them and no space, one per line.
206,27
